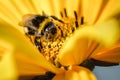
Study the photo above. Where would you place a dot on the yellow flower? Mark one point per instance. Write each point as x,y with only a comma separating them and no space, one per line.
98,38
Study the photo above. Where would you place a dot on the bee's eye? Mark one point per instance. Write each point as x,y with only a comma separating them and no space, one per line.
50,27
38,20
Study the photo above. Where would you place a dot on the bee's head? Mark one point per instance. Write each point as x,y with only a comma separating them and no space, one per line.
50,30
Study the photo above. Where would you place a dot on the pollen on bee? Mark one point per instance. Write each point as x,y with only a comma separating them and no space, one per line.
51,50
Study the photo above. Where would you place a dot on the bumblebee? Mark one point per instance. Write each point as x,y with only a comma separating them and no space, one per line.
48,33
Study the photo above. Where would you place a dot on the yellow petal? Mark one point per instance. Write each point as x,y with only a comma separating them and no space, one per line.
8,69
9,13
109,55
12,10
111,8
76,73
70,7
24,50
27,66
73,51
91,10
47,6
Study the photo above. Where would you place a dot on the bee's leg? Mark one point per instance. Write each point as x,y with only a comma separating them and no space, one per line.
38,44
29,37
46,35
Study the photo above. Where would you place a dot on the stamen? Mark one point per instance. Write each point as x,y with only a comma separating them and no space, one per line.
76,17
82,20
75,14
76,24
61,14
65,12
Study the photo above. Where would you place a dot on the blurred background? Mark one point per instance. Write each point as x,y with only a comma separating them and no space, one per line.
107,73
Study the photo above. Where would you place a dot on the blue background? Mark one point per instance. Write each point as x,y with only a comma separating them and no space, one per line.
107,73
